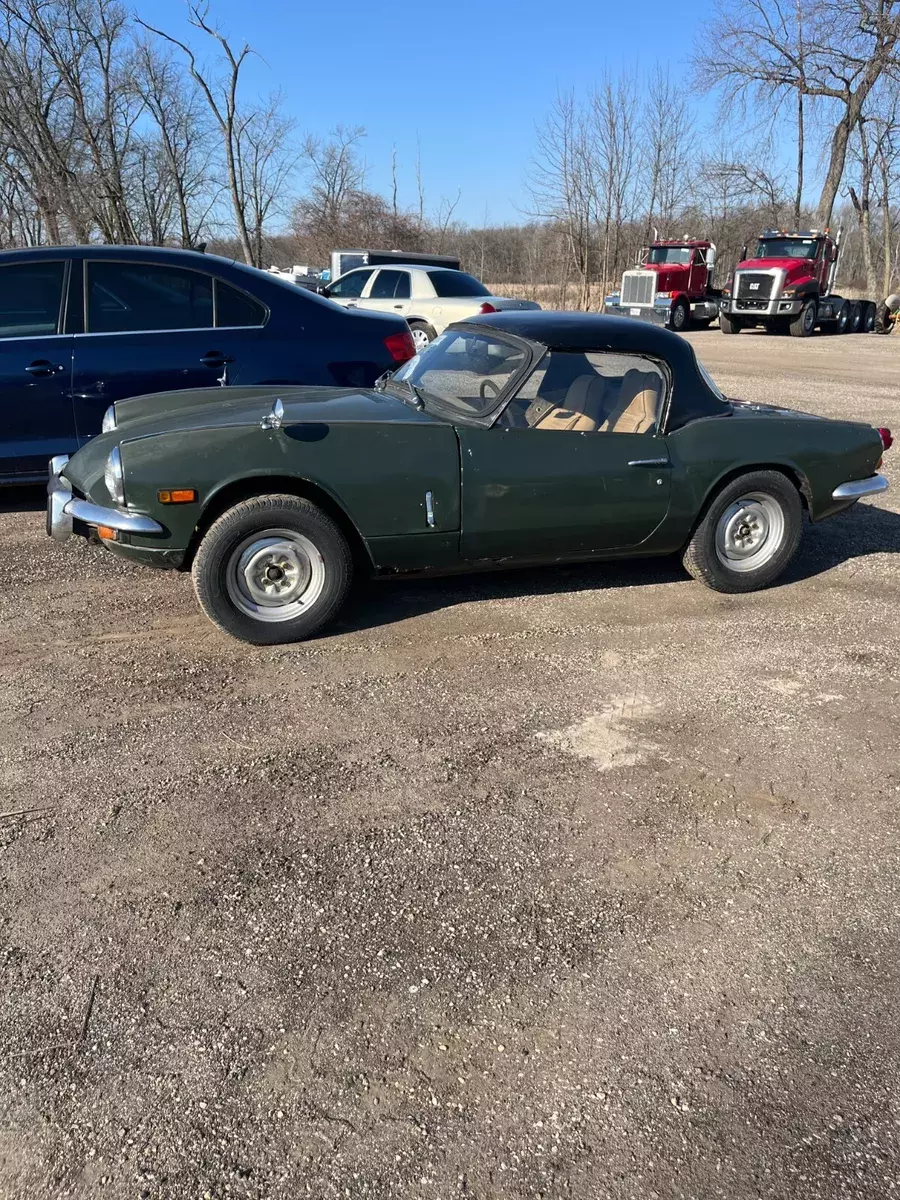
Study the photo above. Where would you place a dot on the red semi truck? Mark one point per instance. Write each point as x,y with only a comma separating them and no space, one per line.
672,285
788,285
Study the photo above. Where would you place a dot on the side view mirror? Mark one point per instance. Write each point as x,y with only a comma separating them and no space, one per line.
322,290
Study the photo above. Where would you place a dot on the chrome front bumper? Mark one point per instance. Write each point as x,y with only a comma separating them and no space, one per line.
63,509
755,308
860,487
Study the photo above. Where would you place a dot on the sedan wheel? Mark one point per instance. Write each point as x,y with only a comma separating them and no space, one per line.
422,335
272,569
748,534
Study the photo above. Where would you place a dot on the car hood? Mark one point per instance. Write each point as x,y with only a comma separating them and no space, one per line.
204,408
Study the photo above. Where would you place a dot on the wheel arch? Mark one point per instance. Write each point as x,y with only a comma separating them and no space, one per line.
789,470
245,488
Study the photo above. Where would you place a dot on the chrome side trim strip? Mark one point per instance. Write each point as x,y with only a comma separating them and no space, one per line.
649,462
860,487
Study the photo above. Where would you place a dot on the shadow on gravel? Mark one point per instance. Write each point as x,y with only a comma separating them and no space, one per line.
863,529
23,499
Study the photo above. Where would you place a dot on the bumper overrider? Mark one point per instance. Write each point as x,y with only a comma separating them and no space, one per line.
64,509
860,487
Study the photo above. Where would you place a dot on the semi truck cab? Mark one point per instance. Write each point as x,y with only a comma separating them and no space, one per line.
671,285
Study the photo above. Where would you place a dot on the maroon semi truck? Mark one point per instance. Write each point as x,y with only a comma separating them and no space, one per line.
788,286
671,285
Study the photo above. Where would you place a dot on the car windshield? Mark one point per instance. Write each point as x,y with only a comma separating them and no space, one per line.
787,248
670,254
466,371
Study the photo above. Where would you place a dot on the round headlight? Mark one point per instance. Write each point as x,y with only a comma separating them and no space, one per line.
109,419
114,477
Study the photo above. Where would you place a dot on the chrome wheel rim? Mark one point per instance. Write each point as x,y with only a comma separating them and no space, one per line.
420,339
809,317
679,317
275,575
750,532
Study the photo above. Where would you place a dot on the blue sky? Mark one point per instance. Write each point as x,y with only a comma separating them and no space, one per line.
470,78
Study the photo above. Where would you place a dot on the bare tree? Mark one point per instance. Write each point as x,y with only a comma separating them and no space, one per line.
667,136
264,163
221,96
838,54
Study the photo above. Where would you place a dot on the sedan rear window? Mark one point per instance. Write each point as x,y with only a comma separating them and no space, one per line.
456,283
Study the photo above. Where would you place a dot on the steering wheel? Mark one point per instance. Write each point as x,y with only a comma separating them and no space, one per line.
483,390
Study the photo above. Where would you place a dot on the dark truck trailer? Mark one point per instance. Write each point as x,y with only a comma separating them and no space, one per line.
788,286
343,261
672,285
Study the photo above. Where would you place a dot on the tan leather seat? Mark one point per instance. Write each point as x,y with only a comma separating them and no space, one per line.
582,409
635,407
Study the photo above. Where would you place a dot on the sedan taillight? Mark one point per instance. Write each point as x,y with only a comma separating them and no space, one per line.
887,439
400,346
486,308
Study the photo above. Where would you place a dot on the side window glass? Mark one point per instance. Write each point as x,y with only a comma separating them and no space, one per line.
30,298
588,393
139,297
350,287
389,285
237,308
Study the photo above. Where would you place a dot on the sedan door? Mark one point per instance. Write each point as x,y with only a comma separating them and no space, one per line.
389,292
573,466
347,290
35,368
149,327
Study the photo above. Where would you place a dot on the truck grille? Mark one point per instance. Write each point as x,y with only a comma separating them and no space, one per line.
752,285
638,287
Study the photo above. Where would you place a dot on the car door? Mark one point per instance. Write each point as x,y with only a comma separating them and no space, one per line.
390,291
148,327
347,290
574,464
35,367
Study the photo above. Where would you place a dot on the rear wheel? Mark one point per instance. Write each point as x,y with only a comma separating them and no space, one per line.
843,318
805,322
729,324
273,569
422,334
855,323
868,320
748,534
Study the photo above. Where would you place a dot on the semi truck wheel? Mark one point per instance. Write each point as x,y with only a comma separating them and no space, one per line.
678,317
729,324
805,321
843,318
868,321
855,323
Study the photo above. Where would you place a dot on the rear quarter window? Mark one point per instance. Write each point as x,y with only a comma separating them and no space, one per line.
456,283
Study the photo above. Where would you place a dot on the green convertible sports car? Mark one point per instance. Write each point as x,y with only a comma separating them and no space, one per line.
274,496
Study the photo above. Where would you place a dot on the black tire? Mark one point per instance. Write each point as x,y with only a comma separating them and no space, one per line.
868,319
805,321
310,541
842,324
708,562
729,324
423,333
883,321
855,323
680,316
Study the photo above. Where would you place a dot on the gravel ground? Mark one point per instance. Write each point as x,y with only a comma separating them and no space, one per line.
568,883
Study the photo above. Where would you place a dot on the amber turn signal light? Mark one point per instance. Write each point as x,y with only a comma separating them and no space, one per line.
177,496
104,531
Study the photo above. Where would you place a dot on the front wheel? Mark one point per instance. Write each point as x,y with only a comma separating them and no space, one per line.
679,316
729,324
748,534
805,322
272,569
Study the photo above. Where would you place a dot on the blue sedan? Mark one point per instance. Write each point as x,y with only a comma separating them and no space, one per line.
84,326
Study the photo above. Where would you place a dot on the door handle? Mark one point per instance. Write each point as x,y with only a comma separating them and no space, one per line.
43,366
649,462
398,306
215,358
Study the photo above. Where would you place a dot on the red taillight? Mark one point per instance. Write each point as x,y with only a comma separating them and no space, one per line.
400,346
887,439
486,308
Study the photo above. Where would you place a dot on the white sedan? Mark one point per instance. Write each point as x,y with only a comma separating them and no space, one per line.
431,298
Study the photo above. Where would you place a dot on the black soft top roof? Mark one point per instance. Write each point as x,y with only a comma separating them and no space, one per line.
692,397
